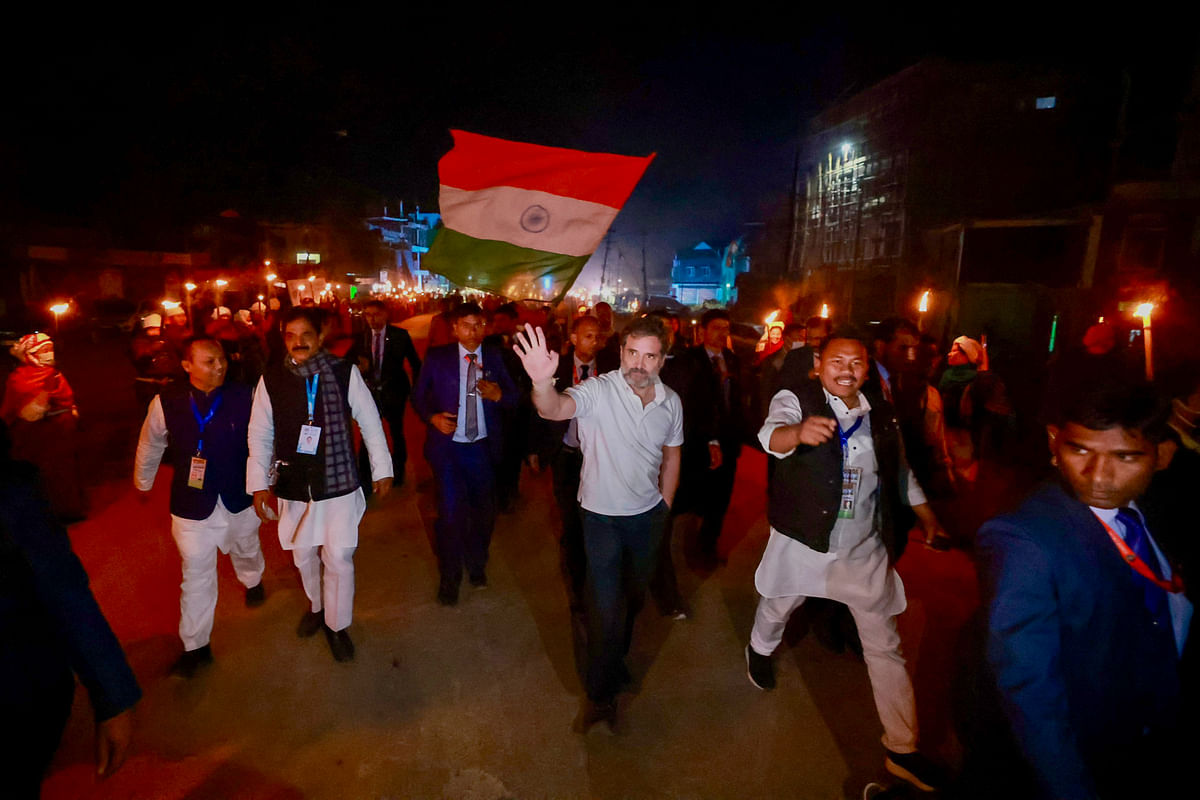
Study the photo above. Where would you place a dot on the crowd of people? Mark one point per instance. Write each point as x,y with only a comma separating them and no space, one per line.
1083,663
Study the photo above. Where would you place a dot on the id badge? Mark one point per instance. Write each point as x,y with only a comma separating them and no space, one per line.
196,473
851,478
310,435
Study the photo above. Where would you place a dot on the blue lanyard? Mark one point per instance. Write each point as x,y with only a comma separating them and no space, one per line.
845,435
310,384
202,422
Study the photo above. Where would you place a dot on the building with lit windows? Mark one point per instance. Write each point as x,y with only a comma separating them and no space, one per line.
702,273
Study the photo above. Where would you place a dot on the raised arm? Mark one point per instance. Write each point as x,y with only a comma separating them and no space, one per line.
540,364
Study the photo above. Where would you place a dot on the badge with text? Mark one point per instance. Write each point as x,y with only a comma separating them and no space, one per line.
851,478
196,473
310,435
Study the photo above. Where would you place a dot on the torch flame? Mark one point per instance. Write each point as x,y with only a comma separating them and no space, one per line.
824,311
924,304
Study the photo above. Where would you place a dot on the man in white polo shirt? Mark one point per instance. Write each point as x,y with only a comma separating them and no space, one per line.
630,428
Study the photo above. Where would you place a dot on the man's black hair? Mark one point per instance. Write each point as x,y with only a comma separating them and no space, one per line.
314,316
186,349
648,326
846,332
1101,399
580,320
892,327
793,327
713,314
509,310
466,310
376,303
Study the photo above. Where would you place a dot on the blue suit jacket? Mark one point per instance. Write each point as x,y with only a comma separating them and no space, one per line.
1083,677
437,391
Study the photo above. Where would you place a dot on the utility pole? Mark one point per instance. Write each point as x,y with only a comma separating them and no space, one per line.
604,264
645,283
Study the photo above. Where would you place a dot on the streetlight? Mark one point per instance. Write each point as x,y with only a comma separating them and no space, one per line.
1144,310
59,309
222,282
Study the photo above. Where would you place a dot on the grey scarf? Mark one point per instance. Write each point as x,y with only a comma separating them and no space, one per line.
341,476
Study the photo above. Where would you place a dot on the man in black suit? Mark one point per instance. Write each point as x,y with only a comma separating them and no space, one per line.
1087,623
712,413
557,443
380,353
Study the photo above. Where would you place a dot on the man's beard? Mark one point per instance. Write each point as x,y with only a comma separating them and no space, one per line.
637,378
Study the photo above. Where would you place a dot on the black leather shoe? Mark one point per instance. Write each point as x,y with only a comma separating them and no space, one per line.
447,594
192,660
594,712
479,581
310,623
339,644
256,596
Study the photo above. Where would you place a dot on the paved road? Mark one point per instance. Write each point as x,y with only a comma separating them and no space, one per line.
474,701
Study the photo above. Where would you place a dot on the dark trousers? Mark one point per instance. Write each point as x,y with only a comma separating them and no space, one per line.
395,422
712,500
621,552
565,467
466,499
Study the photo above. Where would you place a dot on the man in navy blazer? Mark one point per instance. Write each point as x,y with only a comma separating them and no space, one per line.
459,393
1085,621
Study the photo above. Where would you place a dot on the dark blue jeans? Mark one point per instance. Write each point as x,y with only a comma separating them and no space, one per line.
621,553
466,500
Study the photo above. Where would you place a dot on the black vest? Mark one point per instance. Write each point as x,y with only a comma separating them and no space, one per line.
302,477
806,487
225,450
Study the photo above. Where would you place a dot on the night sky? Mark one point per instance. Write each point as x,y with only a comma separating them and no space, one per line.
143,134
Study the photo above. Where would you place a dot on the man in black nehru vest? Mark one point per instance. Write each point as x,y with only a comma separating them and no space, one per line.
838,507
205,423
300,423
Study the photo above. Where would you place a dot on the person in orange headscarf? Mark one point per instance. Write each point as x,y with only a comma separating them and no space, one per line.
39,408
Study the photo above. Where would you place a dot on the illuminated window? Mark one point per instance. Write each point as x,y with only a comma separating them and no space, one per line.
1045,102
308,258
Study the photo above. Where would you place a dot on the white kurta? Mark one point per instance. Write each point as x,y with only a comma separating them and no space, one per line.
855,571
314,523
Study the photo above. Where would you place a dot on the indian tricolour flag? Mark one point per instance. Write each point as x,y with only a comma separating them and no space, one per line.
522,219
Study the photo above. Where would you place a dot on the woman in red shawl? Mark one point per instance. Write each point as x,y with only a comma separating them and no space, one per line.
39,408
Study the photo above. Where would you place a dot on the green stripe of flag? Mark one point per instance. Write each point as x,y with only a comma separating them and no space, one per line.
500,267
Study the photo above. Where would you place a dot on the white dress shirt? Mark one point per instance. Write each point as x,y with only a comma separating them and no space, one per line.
460,430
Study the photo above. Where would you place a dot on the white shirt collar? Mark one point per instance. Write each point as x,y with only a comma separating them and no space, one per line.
841,409
464,352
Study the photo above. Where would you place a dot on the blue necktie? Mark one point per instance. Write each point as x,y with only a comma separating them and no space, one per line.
1139,542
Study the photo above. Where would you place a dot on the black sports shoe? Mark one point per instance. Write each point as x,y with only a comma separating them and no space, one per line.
915,769
760,670
192,660
339,644
310,623
256,596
